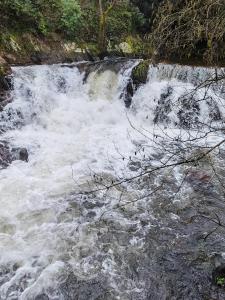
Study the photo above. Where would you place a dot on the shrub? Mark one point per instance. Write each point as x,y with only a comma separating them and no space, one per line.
190,28
71,17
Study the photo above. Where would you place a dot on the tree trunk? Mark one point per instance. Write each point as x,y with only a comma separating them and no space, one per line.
102,29
103,15
102,34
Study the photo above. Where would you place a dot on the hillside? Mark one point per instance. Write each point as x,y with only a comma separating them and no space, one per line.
182,31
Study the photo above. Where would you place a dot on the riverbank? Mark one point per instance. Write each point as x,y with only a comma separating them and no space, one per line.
27,49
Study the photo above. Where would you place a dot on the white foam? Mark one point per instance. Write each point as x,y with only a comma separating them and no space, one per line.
69,128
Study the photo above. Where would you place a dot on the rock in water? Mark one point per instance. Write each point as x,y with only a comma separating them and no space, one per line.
129,93
20,154
5,84
5,155
93,289
42,297
8,155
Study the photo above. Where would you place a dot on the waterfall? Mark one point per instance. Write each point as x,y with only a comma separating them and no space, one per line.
182,96
56,243
69,128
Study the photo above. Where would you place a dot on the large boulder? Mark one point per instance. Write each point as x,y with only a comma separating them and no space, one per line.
139,74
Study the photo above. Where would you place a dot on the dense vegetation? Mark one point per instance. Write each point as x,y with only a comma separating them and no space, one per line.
190,29
74,19
181,29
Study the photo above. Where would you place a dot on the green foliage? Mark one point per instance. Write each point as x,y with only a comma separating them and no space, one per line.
71,16
123,21
74,19
190,29
220,280
40,16
148,8
140,47
140,72
180,30
88,26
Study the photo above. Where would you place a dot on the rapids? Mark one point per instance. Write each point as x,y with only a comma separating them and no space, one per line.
62,235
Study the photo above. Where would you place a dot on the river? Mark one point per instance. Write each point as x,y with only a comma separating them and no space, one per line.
72,223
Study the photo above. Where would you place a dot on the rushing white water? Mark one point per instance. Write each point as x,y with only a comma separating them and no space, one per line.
71,129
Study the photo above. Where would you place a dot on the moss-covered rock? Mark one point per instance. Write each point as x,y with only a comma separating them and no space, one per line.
140,73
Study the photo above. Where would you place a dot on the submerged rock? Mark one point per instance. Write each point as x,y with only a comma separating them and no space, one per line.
93,289
5,155
8,154
5,84
186,111
114,64
164,107
19,154
128,94
42,297
134,165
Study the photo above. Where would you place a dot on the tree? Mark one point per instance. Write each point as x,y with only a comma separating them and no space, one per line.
190,29
103,16
70,17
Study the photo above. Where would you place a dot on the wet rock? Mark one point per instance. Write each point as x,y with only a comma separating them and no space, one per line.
114,65
134,165
5,99
200,180
4,83
128,94
89,55
5,68
7,155
91,214
10,58
187,110
19,154
62,85
39,57
214,114
2,61
9,82
198,176
164,107
189,113
218,276
42,297
94,289
92,205
5,86
139,74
